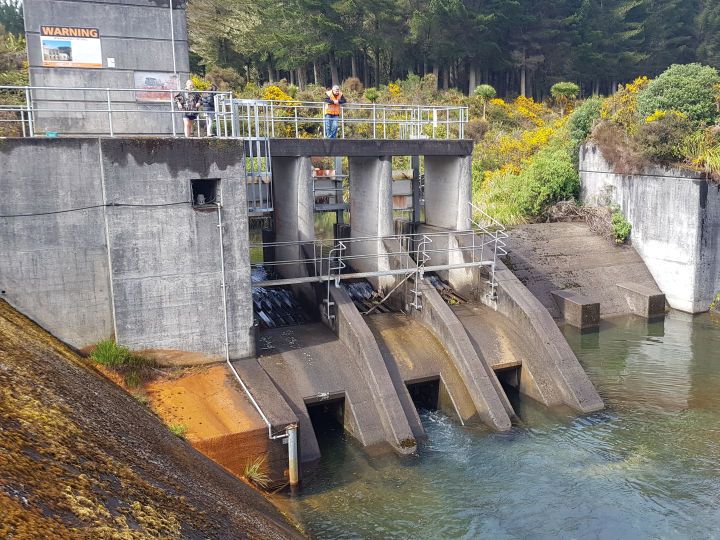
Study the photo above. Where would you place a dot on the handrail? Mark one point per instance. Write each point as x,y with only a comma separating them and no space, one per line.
497,233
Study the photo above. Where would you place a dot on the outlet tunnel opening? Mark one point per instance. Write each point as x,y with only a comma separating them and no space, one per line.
510,381
425,394
328,420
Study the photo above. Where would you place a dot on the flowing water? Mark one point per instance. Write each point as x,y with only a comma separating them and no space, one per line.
647,466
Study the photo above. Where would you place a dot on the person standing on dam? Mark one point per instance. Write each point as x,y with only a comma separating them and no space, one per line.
334,100
189,102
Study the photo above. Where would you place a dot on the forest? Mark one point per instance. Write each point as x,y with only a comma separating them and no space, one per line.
520,47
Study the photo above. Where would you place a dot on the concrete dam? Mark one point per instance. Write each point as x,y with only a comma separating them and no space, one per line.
406,305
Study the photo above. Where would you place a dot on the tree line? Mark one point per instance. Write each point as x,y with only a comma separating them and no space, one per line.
520,47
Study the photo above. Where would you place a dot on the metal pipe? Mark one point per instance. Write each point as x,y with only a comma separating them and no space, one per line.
172,39
293,470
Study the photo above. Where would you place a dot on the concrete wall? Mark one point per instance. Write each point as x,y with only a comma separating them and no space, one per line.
142,253
136,33
676,224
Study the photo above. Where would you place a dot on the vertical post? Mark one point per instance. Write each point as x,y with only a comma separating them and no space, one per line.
172,40
297,132
293,456
342,122
415,162
109,105
28,102
172,116
374,123
384,123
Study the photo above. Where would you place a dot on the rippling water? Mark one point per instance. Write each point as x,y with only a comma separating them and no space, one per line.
647,466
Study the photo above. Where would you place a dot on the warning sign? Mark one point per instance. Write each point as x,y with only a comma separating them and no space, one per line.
67,46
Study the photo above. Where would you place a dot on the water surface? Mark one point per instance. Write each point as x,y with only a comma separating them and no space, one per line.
647,466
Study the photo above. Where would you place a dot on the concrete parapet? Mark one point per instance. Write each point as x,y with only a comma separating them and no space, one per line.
643,301
353,331
578,310
553,374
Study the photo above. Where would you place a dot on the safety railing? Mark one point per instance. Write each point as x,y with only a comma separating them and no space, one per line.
491,232
32,111
295,119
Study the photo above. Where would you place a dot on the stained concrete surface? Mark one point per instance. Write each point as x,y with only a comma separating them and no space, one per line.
309,364
549,256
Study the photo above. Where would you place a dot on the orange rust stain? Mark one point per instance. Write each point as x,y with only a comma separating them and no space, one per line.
207,401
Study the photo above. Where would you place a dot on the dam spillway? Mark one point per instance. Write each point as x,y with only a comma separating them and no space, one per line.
172,278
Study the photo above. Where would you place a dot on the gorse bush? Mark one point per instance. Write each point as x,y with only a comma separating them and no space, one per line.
660,138
583,120
687,88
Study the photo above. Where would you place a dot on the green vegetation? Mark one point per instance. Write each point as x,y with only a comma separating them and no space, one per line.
621,227
688,89
134,369
715,304
255,473
179,430
485,92
520,47
564,93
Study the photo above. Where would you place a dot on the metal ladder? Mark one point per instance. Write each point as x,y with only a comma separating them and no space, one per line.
251,122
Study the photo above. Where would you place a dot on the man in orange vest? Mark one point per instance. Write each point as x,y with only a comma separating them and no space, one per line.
333,101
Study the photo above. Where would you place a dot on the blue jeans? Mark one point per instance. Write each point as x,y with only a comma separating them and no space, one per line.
331,126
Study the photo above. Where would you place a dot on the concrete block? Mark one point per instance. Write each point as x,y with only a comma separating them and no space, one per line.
578,310
643,300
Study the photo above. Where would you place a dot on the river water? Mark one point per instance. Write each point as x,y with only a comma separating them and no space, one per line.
647,466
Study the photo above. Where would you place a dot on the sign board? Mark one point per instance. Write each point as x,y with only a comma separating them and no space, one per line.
148,86
67,46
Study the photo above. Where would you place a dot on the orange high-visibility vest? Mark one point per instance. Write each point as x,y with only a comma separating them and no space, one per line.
332,108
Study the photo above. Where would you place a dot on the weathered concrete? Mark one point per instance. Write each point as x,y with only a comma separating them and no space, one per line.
481,384
547,257
676,224
643,301
578,310
448,189
353,331
128,30
552,375
120,250
221,422
369,147
371,214
310,364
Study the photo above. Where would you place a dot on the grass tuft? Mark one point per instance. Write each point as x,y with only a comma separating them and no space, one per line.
254,472
179,430
134,369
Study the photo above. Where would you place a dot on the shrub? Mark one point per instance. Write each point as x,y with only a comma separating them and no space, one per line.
660,138
199,83
701,150
688,88
564,93
621,227
583,120
476,129
372,95
353,85
622,108
224,78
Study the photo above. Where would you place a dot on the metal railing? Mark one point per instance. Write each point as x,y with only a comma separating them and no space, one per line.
326,261
32,111
295,119
491,232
